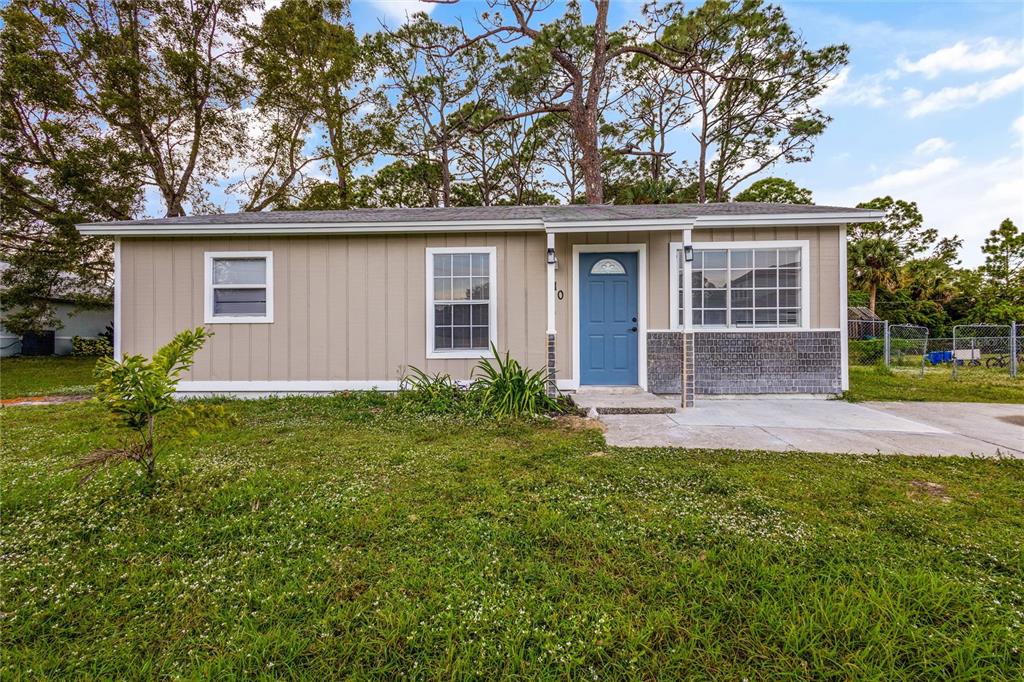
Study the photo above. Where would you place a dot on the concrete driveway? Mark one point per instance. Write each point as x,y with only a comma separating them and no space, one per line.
980,429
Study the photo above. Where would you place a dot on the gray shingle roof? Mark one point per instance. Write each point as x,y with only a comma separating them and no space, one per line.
571,213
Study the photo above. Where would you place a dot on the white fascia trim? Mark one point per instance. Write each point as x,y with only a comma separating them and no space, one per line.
492,308
805,282
117,299
755,220
641,304
284,386
208,316
281,229
619,225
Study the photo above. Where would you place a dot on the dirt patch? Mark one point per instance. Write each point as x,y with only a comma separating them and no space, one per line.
598,453
1015,419
44,400
920,489
573,423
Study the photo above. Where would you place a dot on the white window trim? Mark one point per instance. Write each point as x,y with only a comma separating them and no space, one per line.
209,317
805,283
492,308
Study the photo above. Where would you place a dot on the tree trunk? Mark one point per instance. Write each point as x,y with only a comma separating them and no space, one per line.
446,178
590,156
872,296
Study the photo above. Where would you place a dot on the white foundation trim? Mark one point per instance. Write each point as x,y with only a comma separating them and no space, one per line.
283,386
117,298
641,304
844,325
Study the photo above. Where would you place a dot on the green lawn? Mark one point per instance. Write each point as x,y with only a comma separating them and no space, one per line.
64,375
975,385
328,537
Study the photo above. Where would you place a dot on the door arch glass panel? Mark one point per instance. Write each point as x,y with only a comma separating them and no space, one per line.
607,266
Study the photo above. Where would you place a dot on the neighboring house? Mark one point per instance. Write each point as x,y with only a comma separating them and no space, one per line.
76,321
735,298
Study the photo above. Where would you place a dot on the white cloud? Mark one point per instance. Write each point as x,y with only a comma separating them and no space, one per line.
869,90
965,96
912,177
401,10
933,145
1018,128
986,55
955,196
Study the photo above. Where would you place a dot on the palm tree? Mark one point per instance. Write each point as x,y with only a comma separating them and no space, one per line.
875,263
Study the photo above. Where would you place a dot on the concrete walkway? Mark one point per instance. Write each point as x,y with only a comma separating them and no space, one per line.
979,429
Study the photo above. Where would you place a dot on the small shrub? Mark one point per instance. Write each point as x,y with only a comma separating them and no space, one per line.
507,389
431,393
136,390
88,346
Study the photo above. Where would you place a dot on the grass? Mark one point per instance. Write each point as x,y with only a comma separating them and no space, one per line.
61,375
320,538
973,384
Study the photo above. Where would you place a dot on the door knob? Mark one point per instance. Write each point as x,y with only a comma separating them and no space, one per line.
632,329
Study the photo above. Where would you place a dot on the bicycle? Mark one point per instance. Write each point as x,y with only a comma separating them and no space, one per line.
1000,361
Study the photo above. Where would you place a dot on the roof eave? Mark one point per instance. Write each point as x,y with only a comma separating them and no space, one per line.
518,225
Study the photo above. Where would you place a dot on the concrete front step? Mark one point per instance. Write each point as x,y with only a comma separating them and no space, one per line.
622,400
624,409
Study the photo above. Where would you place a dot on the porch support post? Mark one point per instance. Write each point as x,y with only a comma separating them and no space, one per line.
552,380
686,312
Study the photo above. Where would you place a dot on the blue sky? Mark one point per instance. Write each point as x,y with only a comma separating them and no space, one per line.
931,107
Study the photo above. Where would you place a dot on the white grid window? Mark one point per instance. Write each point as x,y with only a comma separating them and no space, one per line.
745,287
239,287
461,301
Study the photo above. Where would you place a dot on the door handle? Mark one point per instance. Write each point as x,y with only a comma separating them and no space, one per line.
632,329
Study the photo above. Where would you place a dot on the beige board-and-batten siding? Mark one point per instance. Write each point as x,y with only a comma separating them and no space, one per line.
346,308
823,261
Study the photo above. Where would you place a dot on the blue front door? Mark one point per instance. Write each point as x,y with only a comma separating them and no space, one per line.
608,319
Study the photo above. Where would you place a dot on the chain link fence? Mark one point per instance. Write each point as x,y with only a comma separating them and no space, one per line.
993,347
985,346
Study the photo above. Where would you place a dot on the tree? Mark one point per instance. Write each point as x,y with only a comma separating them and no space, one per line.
873,264
753,82
60,166
903,225
313,76
1002,289
440,92
656,103
136,391
165,77
775,191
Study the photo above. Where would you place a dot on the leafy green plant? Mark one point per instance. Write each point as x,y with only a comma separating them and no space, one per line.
431,393
135,390
86,346
507,389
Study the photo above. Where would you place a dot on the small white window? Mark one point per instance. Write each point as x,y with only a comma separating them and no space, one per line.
461,302
239,287
607,266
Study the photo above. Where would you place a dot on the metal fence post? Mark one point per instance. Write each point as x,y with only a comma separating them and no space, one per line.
1013,349
954,351
888,358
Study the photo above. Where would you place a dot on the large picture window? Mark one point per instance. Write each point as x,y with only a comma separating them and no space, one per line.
745,287
239,287
461,310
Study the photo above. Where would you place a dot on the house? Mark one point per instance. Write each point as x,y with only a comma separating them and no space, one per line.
710,299
73,320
